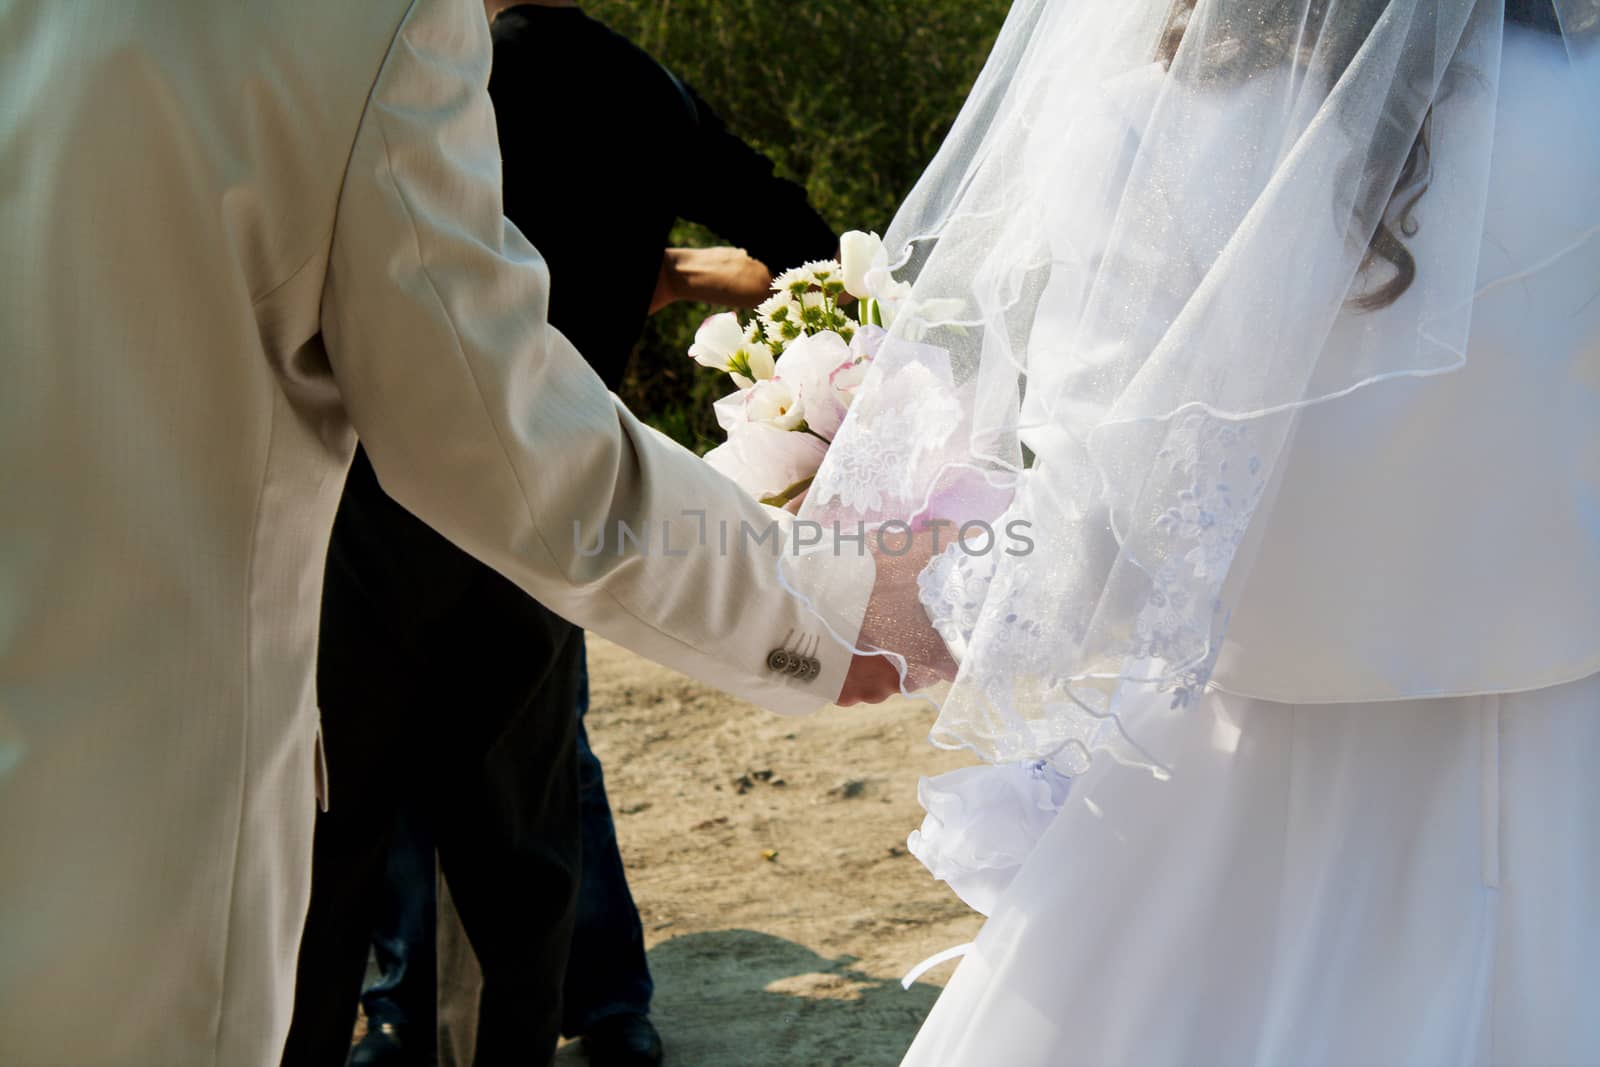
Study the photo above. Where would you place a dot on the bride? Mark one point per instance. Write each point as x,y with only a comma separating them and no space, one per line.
1277,325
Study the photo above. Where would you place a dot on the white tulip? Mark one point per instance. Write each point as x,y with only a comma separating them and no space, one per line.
922,315
859,253
891,300
716,341
941,309
757,358
773,403
722,344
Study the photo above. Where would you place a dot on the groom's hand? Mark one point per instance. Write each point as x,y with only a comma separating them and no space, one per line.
895,622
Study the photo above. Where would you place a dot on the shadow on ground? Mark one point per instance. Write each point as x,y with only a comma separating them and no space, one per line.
733,998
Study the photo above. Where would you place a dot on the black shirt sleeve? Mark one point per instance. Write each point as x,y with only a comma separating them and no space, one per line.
732,190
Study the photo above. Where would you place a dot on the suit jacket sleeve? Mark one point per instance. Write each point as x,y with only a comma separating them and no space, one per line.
483,420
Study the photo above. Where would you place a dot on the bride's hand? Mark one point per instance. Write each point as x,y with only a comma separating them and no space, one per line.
895,622
870,680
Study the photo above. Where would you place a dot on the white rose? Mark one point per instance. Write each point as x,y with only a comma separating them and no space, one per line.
774,403
805,366
866,342
858,253
768,463
846,379
730,411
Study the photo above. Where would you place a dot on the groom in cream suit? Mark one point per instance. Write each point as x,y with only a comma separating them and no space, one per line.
235,236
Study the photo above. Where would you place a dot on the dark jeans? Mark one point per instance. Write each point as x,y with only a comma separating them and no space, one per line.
404,932
447,692
606,969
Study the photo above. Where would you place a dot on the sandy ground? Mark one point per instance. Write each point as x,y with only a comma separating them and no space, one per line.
767,856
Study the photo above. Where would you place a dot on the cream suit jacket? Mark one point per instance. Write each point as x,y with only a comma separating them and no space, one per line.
235,235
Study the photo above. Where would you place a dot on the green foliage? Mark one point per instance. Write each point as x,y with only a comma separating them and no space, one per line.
849,98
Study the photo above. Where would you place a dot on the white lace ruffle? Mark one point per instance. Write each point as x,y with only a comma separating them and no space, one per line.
983,822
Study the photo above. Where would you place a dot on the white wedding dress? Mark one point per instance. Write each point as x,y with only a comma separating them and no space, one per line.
1378,841
1317,884
1290,716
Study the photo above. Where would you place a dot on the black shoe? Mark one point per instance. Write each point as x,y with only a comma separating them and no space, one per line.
623,1041
386,1045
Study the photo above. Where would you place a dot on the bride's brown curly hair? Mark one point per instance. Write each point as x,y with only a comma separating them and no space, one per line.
1259,35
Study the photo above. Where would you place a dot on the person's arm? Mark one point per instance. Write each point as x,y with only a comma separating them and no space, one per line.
729,277
731,189
483,420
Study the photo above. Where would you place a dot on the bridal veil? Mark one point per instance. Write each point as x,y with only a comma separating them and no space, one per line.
1115,289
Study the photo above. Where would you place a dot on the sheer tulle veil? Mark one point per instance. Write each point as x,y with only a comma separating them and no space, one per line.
1157,230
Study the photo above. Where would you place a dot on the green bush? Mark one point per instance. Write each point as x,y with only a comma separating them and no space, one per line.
849,98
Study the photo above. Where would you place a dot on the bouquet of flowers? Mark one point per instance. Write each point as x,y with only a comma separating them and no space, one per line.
798,364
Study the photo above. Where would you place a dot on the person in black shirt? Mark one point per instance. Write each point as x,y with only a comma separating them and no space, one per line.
603,150
446,692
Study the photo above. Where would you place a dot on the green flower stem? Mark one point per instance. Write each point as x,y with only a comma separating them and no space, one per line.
778,500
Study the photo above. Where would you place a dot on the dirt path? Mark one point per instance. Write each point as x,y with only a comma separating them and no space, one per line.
768,859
